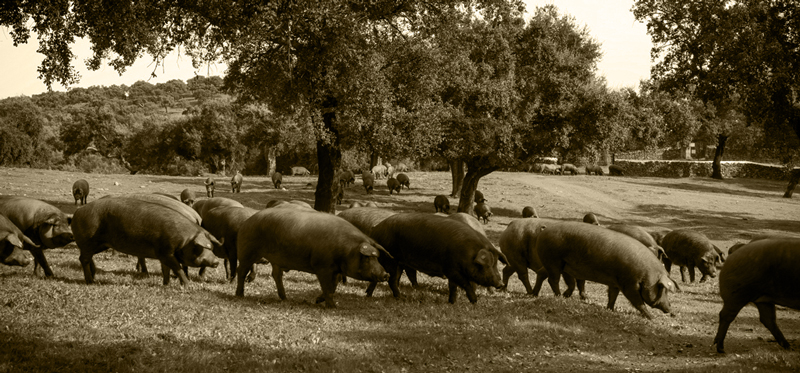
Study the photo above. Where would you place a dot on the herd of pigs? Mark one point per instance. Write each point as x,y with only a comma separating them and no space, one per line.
376,245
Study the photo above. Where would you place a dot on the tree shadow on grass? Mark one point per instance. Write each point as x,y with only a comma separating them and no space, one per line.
760,188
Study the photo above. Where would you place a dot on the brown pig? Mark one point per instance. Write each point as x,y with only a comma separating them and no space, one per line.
642,236
224,222
764,272
518,243
689,248
145,229
440,247
210,185
308,241
601,255
45,225
80,190
187,197
205,205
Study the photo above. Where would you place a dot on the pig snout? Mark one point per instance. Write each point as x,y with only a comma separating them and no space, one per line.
205,259
373,271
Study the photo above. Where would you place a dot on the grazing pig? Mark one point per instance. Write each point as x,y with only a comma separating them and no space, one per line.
615,170
389,170
401,167
482,211
277,179
339,193
224,222
80,190
550,169
299,170
594,169
187,197
43,223
529,212
204,206
404,180
11,244
518,243
536,168
658,235
568,167
210,184
236,183
379,171
355,205
591,219
393,185
291,240
642,236
145,229
688,248
440,247
601,255
369,181
479,197
735,247
764,272
348,177
441,203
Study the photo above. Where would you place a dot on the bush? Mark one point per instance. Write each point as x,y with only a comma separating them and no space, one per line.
730,169
97,164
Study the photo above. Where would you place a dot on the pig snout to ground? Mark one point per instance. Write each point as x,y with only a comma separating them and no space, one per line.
348,177
569,168
299,170
11,244
615,170
404,180
529,212
764,272
441,203
483,211
46,226
601,255
368,178
290,240
236,183
393,185
479,197
210,185
144,229
80,190
379,171
594,169
223,223
440,247
518,243
687,248
277,179
187,197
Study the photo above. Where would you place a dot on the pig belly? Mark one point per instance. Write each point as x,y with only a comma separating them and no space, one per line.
781,300
426,267
587,272
142,249
291,263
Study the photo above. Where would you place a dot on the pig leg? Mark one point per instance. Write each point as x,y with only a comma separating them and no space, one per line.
412,277
581,288
141,265
170,263
541,275
39,260
277,275
241,273
371,288
633,295
252,275
570,281
726,317
766,314
328,282
613,292
507,272
89,268
691,273
554,277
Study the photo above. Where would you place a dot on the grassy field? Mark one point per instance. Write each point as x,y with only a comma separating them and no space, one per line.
130,322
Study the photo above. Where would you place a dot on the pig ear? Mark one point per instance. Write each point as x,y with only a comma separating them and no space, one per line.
13,239
28,241
483,258
382,250
501,256
668,283
214,240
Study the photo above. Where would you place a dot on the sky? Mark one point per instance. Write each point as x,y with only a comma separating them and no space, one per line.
624,42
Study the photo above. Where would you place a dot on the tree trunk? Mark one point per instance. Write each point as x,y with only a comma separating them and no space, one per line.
373,160
272,160
329,158
792,183
129,167
467,197
457,172
716,168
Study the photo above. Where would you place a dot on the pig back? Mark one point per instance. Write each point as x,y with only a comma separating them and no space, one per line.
365,218
205,205
765,270
168,202
469,220
688,247
597,254
432,244
298,239
224,222
518,241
